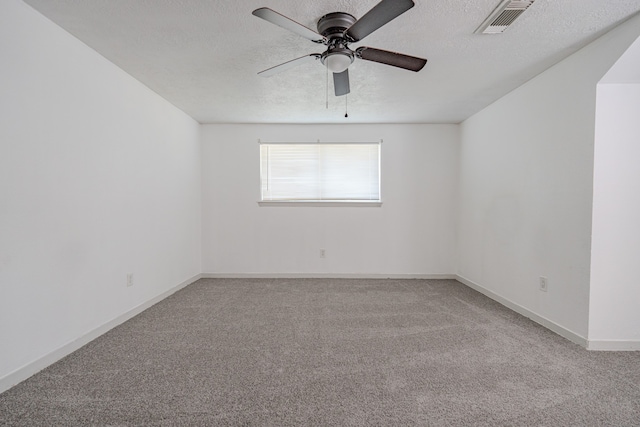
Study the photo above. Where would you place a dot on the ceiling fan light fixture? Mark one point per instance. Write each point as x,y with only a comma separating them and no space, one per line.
338,62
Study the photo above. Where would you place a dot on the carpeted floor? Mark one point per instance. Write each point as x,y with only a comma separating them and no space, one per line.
330,352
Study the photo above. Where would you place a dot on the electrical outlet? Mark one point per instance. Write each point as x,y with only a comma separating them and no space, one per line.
130,279
323,253
543,284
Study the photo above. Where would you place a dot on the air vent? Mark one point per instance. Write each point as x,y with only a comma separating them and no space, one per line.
503,16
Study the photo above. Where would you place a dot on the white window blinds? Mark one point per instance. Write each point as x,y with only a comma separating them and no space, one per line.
320,172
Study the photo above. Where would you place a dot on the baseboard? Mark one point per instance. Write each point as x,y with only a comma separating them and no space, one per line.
613,345
36,366
325,276
560,330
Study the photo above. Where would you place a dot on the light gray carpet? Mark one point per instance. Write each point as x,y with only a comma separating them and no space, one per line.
329,352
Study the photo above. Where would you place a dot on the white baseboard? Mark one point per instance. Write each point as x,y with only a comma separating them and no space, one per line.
613,345
560,330
324,276
36,366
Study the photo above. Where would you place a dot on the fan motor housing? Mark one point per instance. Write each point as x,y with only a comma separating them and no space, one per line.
334,24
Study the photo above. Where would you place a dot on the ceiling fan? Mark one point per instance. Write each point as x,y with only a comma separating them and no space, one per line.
337,30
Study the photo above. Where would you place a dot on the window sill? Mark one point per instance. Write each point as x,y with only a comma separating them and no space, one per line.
332,203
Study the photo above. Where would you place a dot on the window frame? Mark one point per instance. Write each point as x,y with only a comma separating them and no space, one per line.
320,202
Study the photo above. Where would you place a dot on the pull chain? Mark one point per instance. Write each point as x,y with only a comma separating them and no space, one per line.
327,104
346,100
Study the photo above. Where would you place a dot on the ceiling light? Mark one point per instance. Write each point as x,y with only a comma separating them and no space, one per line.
338,60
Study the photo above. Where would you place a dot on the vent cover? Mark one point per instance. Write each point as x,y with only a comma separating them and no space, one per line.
503,16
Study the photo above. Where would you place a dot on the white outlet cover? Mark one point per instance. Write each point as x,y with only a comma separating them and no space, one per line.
544,284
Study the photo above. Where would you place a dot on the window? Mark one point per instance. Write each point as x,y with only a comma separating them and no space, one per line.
320,172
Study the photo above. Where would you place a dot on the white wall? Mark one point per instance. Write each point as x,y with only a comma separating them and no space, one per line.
615,294
526,187
99,177
413,233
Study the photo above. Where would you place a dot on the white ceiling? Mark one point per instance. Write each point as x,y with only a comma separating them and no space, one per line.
203,56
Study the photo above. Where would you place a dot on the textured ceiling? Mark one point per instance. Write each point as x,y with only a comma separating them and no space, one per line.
203,56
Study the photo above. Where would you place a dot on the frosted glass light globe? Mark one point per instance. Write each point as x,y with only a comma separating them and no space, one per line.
338,62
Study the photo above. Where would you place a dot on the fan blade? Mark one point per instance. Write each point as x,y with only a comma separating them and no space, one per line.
341,82
382,13
289,64
391,58
288,24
